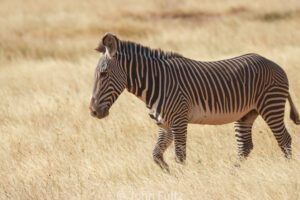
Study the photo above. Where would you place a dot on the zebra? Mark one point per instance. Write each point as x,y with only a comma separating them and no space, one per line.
178,90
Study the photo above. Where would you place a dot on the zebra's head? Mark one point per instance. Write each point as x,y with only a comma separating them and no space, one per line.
110,77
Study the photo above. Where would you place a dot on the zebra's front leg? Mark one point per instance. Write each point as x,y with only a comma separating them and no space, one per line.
164,140
179,133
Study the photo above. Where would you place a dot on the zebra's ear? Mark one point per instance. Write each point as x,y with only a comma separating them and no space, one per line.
100,48
109,41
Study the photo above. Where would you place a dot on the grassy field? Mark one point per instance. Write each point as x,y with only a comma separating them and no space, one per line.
50,146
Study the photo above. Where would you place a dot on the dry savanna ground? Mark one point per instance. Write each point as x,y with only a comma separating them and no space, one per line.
50,147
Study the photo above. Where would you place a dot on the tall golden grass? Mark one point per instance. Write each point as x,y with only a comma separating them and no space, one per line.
50,147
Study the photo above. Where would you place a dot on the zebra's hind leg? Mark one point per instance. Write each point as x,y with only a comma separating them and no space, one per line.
273,114
165,138
243,134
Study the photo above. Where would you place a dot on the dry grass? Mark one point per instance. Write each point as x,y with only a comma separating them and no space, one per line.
51,148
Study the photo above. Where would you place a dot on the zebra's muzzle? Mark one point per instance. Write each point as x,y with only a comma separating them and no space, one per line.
100,114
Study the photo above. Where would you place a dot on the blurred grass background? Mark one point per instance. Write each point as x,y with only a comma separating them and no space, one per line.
51,148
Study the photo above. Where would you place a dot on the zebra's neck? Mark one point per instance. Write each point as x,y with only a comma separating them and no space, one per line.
141,78
143,67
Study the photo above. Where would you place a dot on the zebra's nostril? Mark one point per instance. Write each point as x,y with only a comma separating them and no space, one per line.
93,113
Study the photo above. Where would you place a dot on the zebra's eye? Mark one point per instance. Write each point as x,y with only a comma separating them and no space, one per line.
103,74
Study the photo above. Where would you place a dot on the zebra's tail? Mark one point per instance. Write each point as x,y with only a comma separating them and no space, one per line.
294,115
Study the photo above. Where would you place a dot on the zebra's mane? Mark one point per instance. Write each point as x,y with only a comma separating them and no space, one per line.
140,49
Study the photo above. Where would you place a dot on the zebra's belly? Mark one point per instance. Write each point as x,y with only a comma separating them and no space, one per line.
198,116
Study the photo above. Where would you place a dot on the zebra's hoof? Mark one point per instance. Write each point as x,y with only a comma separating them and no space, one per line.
166,170
287,152
180,160
162,164
288,156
